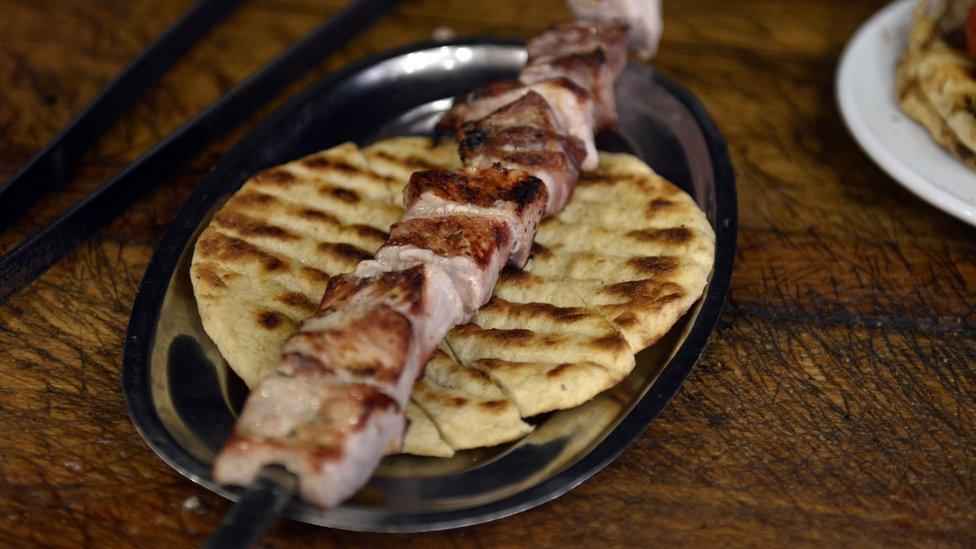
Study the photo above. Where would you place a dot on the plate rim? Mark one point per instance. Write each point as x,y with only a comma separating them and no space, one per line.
873,146
140,335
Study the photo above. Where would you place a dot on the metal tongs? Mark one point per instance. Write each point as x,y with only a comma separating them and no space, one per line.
262,502
54,164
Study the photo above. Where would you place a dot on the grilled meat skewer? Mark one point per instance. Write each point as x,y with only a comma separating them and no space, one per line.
336,404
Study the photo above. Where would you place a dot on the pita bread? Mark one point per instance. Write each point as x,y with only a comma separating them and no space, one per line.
608,277
935,84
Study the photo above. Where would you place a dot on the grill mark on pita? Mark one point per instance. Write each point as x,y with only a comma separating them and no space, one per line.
660,265
297,300
655,206
651,184
271,320
494,405
668,298
613,341
249,226
275,176
606,337
590,177
669,189
478,375
339,193
449,400
562,315
528,279
496,364
205,272
593,179
626,320
324,162
320,162
677,235
315,215
559,370
410,161
427,392
346,213
556,222
225,247
323,226
503,336
312,214
644,288
274,264
625,289
253,200
345,251
315,275
368,232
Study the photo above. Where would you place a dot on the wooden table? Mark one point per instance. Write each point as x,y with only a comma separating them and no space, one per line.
835,403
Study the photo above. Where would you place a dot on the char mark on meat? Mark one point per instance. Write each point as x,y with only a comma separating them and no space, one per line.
368,344
471,249
514,196
589,70
523,135
571,105
573,38
465,104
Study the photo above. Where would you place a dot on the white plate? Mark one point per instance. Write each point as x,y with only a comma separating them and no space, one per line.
903,148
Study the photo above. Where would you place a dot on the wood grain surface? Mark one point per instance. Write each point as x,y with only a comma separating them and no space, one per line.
834,405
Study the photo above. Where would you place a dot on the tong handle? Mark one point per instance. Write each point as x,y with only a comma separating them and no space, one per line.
255,511
53,164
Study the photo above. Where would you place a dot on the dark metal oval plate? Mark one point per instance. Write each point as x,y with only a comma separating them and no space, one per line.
182,397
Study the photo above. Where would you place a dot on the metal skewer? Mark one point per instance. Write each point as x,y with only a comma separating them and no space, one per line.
53,164
36,254
257,509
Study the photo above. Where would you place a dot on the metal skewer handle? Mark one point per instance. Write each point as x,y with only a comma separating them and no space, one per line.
257,509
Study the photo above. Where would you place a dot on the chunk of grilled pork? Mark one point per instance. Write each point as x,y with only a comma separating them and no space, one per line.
330,436
513,196
423,294
524,135
571,104
335,405
376,328
588,70
471,249
573,38
591,55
